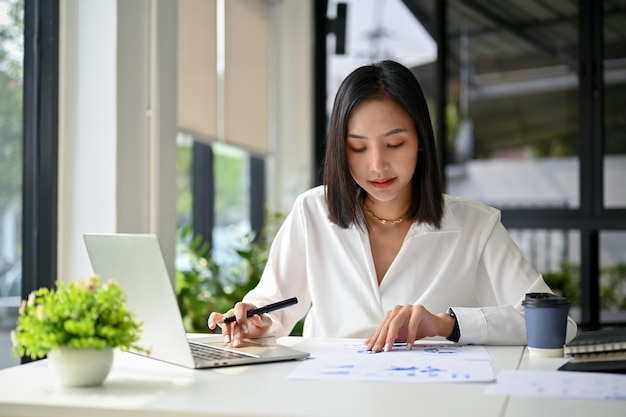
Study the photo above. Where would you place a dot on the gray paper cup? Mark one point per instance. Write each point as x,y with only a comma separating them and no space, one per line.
546,323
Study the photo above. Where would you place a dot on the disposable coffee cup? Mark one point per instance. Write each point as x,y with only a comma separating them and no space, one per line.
546,323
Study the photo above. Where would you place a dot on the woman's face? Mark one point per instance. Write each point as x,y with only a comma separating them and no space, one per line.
382,148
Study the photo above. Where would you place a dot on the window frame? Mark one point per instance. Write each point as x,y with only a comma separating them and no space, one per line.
40,145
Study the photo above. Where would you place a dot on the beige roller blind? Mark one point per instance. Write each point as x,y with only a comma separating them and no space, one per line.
197,72
246,79
245,82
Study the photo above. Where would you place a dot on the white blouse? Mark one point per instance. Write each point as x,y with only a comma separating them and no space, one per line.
470,264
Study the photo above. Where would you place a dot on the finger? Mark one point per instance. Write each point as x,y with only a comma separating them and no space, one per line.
241,313
411,331
226,328
213,319
393,327
260,321
239,333
228,332
239,329
378,342
369,343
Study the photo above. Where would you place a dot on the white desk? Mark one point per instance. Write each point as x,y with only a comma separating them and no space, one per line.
518,406
139,386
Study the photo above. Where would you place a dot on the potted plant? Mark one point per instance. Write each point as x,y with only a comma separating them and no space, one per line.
77,325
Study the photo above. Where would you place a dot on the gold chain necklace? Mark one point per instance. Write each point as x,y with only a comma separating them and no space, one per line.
383,221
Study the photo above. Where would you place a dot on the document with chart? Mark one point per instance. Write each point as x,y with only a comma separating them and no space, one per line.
426,362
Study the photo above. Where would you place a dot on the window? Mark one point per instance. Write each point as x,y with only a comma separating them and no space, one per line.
534,128
11,79
529,116
221,197
232,207
30,237
612,277
223,118
513,105
554,253
614,104
372,31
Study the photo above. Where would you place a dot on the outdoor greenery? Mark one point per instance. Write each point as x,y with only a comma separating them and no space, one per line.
204,287
11,104
184,200
81,315
566,282
613,287
228,171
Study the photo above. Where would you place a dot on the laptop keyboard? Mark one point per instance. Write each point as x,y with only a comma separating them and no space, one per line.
203,353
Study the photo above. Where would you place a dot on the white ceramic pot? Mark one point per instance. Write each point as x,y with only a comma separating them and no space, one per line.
81,367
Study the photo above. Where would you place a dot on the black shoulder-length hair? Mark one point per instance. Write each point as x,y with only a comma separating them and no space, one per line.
384,79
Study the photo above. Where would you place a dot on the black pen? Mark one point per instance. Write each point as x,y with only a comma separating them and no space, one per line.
264,309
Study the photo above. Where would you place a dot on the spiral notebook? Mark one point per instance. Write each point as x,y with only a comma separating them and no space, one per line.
136,262
597,342
597,351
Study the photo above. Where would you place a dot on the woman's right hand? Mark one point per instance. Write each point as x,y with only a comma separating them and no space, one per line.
244,327
408,323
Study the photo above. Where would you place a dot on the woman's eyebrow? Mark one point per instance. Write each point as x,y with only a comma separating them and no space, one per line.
355,136
390,133
395,131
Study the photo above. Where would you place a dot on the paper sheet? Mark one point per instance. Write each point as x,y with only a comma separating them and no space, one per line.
559,384
424,363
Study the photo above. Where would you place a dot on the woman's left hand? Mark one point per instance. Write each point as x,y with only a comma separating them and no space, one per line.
408,323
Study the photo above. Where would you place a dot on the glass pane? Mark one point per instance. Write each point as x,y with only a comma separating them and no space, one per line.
184,158
612,277
11,57
231,226
377,30
232,213
555,254
614,103
512,115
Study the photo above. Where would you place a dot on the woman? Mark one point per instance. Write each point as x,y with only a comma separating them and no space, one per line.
379,252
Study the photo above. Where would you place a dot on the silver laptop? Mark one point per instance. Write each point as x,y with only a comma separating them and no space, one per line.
136,262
